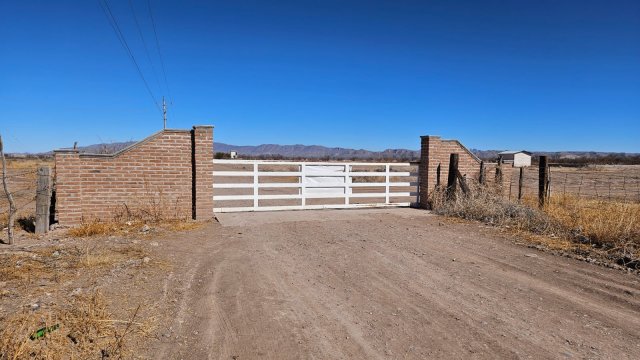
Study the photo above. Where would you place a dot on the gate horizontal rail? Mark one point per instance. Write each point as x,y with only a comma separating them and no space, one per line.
316,180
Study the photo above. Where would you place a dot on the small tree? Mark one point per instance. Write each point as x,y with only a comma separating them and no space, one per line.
12,205
222,155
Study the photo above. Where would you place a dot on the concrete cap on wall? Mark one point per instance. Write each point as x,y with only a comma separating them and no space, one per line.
430,136
202,126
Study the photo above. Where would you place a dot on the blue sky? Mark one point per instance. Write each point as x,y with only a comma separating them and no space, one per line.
538,75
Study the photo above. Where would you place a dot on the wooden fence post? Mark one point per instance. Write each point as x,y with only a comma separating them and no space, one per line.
43,199
453,176
481,178
520,184
543,180
499,172
12,205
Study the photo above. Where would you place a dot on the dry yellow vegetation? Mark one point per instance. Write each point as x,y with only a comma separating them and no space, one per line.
565,222
57,323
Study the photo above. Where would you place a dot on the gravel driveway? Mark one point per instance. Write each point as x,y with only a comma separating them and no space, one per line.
387,284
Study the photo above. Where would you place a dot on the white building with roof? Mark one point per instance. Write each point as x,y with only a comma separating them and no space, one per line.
519,158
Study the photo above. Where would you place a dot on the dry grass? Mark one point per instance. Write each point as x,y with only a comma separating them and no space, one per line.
92,229
181,225
84,327
23,268
102,228
487,206
28,164
80,329
606,223
565,223
22,175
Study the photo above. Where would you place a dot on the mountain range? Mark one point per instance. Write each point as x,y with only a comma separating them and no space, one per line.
319,152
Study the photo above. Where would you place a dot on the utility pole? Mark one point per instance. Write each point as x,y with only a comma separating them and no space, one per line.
164,112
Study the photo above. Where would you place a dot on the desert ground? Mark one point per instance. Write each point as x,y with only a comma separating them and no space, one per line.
376,283
392,283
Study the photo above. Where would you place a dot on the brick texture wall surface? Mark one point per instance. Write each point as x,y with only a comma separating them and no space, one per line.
435,151
154,178
203,162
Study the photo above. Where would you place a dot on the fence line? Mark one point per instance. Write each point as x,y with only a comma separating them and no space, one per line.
589,185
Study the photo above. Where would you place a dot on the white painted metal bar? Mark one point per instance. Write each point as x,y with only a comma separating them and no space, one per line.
303,188
347,180
255,185
278,162
232,173
300,185
308,207
387,185
297,173
313,196
311,176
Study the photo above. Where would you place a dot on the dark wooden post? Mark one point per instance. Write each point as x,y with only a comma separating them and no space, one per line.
543,181
481,178
453,176
43,199
520,180
499,172
438,176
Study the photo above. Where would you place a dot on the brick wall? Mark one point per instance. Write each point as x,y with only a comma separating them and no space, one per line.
168,175
433,152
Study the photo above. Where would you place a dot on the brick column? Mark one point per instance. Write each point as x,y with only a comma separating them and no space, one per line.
427,169
68,187
202,168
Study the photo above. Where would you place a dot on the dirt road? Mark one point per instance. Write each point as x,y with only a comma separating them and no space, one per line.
386,284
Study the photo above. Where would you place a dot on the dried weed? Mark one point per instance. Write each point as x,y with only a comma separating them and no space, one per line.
80,329
608,227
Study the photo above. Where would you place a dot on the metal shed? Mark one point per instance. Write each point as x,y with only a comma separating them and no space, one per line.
519,158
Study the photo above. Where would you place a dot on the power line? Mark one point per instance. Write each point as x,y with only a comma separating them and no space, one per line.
144,43
164,72
116,28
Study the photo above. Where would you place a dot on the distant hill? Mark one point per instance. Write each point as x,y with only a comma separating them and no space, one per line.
569,156
323,152
106,148
315,151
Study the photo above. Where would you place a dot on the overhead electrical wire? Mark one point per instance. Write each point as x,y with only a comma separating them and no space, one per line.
155,33
104,4
144,43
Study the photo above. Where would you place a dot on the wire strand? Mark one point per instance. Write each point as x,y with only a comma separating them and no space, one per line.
116,28
144,43
155,33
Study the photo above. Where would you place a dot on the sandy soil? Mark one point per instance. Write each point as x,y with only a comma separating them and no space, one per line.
393,283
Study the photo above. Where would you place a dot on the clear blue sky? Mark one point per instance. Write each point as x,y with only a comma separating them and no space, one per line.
538,75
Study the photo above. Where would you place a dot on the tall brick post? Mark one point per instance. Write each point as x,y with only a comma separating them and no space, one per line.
427,169
68,186
202,168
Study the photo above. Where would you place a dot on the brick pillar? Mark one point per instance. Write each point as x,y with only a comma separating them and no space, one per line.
427,168
68,187
202,167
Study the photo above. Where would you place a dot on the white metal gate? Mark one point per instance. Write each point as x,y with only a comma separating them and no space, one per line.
306,182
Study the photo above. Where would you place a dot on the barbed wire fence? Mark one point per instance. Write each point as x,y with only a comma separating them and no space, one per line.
21,179
610,184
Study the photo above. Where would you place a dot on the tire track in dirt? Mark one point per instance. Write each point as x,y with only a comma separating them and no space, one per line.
398,284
